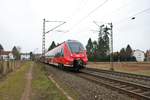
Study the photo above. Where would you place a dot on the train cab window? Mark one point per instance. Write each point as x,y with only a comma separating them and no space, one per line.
75,47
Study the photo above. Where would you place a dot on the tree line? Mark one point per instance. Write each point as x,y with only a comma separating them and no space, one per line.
15,51
53,45
99,51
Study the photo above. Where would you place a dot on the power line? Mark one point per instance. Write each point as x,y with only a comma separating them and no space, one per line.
125,5
94,9
145,10
133,16
55,26
73,14
116,10
91,12
78,9
44,32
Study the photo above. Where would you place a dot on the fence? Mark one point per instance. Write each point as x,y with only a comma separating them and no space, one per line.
8,66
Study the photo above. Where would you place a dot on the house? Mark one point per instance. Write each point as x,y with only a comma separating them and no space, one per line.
148,55
6,55
37,56
25,56
139,55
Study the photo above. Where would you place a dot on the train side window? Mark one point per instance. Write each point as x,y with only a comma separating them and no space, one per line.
58,53
62,52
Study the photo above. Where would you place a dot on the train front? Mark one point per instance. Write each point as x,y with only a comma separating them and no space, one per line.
77,54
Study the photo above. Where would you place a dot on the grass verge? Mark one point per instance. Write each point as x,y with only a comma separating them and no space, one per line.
145,72
141,68
66,87
42,87
13,86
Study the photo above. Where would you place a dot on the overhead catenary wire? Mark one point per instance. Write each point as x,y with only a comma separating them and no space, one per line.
88,15
123,6
91,12
125,19
116,23
138,13
94,10
55,26
77,10
133,16
71,16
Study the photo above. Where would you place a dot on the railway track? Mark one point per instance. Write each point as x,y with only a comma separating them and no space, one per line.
140,79
132,89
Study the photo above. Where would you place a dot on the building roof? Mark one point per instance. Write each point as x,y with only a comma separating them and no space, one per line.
148,52
25,53
138,50
1,47
5,52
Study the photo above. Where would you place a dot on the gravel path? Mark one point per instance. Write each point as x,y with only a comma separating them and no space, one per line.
27,90
86,90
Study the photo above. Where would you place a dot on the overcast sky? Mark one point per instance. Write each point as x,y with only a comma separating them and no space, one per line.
21,22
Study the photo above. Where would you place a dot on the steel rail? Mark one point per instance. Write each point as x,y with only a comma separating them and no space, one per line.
123,74
129,88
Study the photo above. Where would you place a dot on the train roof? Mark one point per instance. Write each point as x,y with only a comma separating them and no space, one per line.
71,41
64,42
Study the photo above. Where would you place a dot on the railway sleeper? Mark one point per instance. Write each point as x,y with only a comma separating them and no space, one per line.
137,90
116,85
134,94
129,75
111,82
123,86
147,93
121,90
129,88
129,92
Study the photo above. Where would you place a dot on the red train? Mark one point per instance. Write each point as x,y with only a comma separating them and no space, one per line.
70,54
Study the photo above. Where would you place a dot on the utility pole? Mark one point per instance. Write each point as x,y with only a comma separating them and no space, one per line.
100,29
111,41
43,39
111,46
44,32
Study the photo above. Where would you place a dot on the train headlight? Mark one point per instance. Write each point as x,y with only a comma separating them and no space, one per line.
71,55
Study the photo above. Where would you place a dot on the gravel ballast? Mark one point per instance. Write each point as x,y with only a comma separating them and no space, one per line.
86,90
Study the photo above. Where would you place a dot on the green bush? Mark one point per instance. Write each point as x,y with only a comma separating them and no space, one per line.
99,58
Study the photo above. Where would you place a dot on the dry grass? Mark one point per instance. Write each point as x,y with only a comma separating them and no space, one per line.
8,66
42,87
12,87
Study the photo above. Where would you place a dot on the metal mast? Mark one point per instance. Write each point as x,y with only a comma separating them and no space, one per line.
44,32
43,39
111,46
111,41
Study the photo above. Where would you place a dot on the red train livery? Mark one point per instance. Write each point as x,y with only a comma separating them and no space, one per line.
70,54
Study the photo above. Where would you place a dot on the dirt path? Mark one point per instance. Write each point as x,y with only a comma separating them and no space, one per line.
27,90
